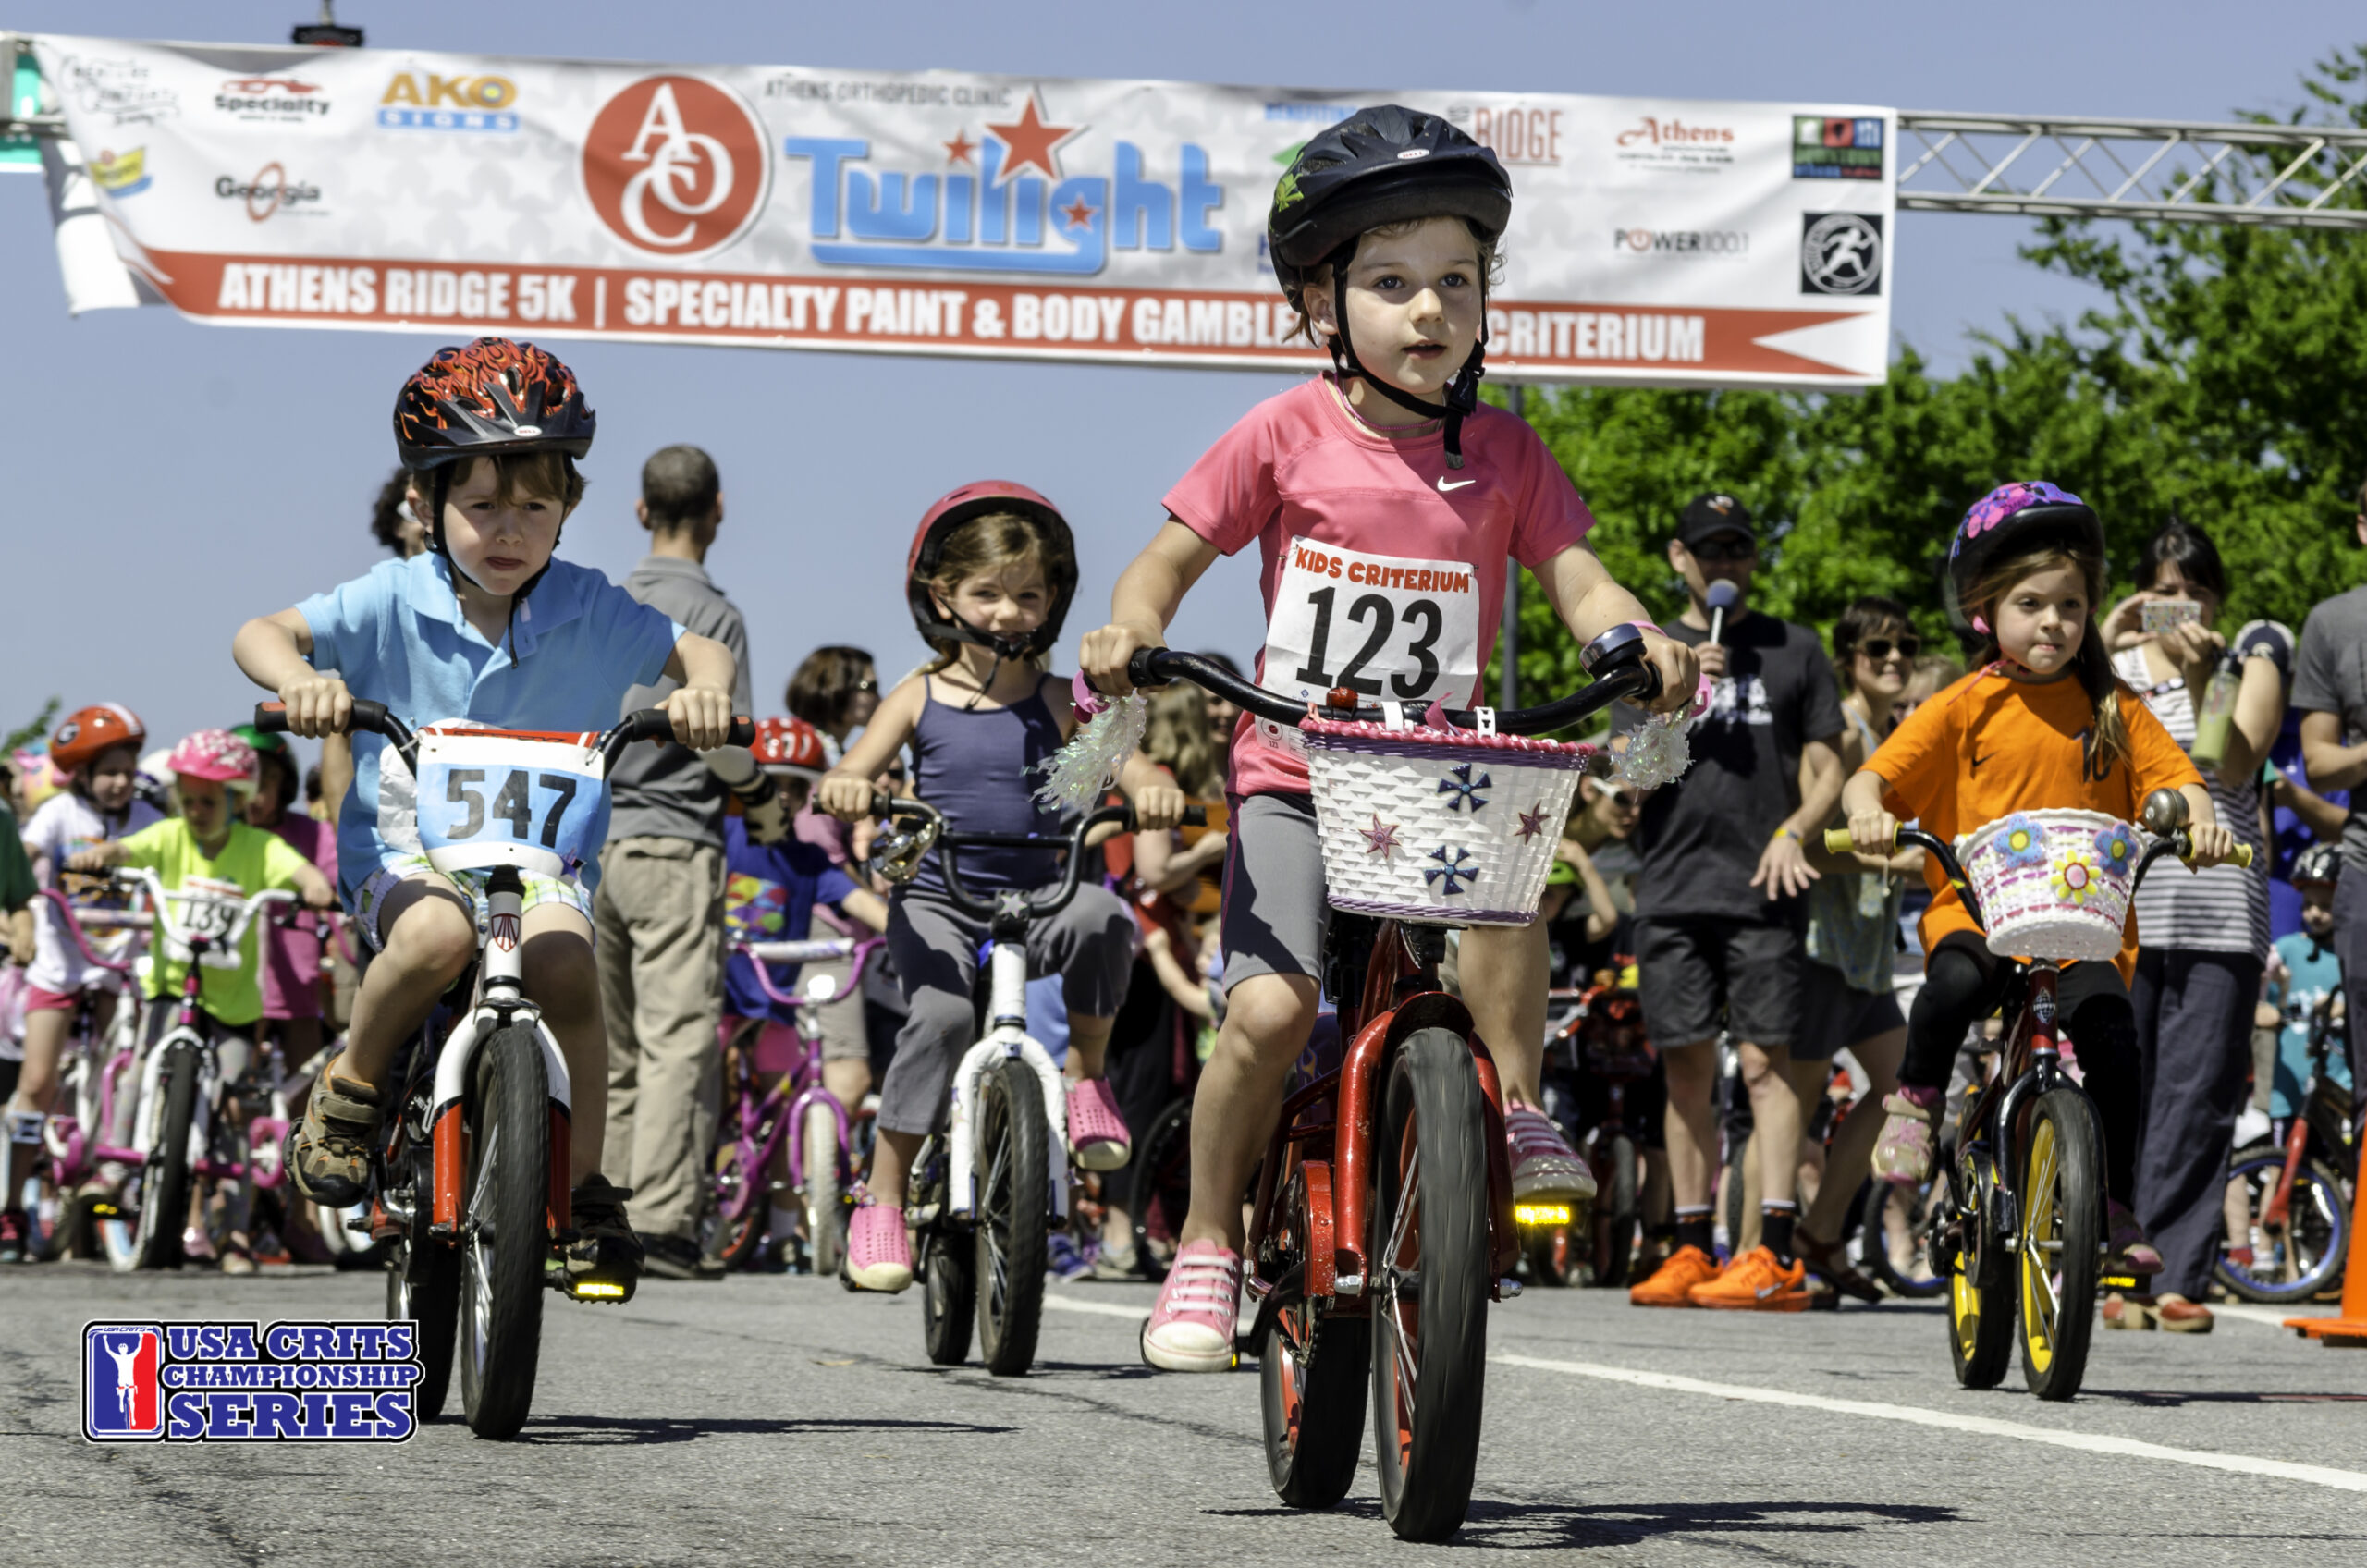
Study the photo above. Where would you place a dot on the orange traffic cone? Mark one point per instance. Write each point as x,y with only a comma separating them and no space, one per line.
2348,1329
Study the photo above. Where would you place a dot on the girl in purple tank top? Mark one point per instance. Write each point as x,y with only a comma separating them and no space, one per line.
990,576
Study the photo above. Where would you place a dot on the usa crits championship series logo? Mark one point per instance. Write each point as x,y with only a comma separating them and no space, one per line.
238,1382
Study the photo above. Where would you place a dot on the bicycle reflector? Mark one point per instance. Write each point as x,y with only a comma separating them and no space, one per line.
1541,1213
596,1289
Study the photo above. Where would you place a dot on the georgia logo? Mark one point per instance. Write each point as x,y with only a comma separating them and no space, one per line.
675,166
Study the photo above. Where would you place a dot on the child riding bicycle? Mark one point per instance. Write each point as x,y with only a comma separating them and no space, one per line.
1384,500
207,848
489,626
2041,725
98,750
989,578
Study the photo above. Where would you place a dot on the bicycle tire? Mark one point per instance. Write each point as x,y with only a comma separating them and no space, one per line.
2062,1222
1161,1191
505,1231
1618,1221
423,1285
1013,1235
2319,1199
1426,1437
949,1297
1981,1305
164,1189
826,1218
1311,1374
1873,1248
734,1220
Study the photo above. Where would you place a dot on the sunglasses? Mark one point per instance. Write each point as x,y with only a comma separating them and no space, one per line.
1725,548
1880,648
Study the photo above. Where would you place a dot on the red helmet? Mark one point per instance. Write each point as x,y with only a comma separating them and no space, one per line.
492,396
950,512
789,746
88,732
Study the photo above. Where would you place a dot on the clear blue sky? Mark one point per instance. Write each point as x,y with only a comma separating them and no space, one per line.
164,481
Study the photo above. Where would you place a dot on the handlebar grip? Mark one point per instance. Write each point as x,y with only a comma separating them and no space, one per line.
2243,856
1138,668
368,718
742,731
882,802
1839,841
1196,817
272,718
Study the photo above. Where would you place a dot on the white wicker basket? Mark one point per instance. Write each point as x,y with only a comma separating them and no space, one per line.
2053,884
1438,827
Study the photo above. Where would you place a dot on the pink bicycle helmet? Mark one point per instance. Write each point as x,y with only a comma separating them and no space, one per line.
216,754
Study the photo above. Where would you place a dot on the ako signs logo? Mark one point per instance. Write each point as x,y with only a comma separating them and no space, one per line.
448,103
676,166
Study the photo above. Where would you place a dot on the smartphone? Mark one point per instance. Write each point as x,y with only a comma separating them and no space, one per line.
2162,615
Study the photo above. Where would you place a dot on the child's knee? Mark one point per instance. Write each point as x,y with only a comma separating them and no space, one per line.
937,1019
1271,1015
560,973
433,933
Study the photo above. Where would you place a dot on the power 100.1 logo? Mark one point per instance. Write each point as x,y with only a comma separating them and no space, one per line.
236,1382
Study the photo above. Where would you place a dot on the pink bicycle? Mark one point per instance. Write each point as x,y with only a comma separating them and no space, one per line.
74,1137
822,1138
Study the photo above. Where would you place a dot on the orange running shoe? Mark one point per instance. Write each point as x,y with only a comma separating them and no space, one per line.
1672,1282
1755,1282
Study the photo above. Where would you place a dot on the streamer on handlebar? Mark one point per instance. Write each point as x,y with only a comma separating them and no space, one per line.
1081,772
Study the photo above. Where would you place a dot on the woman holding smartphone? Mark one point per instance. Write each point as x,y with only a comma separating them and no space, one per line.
2204,936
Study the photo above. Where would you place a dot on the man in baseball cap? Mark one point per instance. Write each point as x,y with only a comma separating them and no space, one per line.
1713,512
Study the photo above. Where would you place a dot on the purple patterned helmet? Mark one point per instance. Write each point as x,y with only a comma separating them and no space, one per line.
2015,514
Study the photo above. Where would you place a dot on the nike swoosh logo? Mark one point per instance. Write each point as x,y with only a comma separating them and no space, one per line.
1444,486
1977,761
1766,1290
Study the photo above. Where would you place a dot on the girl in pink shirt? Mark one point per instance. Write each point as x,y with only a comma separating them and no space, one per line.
1384,500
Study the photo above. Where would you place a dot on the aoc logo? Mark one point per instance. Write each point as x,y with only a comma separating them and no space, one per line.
269,192
1003,202
424,100
676,166
237,1382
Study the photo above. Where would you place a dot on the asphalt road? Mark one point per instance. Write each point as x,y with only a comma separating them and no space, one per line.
782,1421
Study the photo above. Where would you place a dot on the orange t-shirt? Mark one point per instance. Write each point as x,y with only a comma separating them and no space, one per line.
1990,745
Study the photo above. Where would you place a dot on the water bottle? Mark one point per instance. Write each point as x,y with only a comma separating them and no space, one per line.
2216,715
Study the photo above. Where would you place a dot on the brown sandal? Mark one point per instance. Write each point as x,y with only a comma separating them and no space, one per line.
1833,1266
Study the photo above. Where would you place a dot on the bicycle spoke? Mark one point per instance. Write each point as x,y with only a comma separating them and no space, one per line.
1401,1221
1405,1350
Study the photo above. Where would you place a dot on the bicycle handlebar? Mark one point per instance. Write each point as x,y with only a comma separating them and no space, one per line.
1039,902
764,955
163,901
369,717
74,929
1841,841
1615,659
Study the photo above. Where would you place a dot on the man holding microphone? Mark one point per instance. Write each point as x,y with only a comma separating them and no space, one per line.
1719,916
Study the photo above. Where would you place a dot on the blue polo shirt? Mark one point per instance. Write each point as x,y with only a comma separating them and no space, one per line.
398,636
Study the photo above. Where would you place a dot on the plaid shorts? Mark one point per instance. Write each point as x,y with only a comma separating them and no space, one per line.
371,896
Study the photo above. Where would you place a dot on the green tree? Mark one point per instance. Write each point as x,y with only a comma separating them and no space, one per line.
2225,381
27,734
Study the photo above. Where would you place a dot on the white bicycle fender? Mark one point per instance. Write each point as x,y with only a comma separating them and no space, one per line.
960,1197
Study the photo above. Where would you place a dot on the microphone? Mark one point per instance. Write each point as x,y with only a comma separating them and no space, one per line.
1723,597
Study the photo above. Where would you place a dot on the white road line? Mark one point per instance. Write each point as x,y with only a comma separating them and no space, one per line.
2274,1316
1111,1309
2315,1474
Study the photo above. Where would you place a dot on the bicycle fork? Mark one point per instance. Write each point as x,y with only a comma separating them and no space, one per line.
501,1000
1007,1039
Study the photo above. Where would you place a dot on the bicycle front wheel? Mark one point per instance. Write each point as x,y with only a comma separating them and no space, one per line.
1013,1177
1981,1303
1895,1235
2062,1242
1427,1278
505,1231
826,1219
2305,1258
164,1187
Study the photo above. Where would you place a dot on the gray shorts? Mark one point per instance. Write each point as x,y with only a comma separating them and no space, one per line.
1835,1013
1090,944
1695,972
1274,910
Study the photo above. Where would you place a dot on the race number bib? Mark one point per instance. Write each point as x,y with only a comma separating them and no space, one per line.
496,799
1386,627
208,907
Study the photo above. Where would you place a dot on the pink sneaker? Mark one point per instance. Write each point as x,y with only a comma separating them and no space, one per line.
2127,1249
1191,1329
879,1255
1544,1167
196,1245
1096,1132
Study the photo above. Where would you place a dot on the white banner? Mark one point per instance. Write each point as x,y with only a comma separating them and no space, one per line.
1651,240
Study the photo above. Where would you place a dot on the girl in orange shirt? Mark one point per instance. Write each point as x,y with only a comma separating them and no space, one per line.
2043,725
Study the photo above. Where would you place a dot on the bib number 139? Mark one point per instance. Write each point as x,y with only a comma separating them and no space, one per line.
1382,626
510,802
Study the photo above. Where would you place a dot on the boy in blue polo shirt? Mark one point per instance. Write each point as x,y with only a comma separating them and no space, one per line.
487,626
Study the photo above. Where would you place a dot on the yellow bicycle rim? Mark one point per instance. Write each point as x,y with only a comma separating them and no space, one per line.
2041,1223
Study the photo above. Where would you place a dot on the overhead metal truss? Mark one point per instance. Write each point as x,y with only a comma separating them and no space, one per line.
2275,175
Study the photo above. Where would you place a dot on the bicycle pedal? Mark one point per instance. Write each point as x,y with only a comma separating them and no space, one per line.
596,1291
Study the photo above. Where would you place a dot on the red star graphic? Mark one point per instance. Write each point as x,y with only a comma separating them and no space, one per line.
1532,822
1030,140
1077,214
957,151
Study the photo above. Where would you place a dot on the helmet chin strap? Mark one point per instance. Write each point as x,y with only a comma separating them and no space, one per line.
1462,393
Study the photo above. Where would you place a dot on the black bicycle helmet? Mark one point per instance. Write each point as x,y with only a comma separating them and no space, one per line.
1382,166
2019,514
491,399
2319,862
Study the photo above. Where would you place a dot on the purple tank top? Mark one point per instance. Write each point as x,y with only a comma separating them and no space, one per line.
976,766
